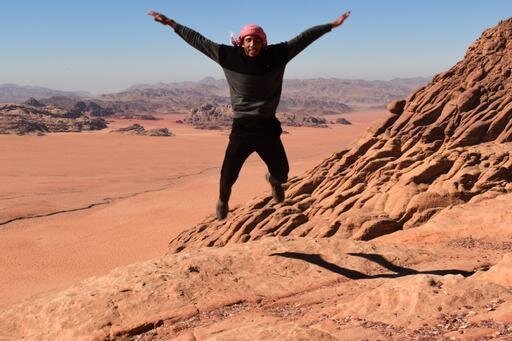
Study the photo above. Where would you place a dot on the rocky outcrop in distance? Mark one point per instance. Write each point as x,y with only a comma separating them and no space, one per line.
165,100
446,144
98,108
79,106
301,120
210,116
33,103
24,119
137,129
343,121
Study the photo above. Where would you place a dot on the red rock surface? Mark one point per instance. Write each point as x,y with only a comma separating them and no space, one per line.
448,278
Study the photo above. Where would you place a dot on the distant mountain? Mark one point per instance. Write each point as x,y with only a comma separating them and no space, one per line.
165,98
356,93
14,93
322,95
413,83
304,96
179,85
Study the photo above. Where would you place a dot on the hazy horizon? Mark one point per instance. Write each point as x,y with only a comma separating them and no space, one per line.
102,47
203,79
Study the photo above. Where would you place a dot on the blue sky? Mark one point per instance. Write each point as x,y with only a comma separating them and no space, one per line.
108,45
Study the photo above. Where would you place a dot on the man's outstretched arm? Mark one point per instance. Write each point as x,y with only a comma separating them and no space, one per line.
303,40
195,39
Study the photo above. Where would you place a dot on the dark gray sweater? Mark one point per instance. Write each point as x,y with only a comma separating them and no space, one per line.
255,83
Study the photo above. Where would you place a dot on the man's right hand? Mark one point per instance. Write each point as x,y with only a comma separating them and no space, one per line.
162,19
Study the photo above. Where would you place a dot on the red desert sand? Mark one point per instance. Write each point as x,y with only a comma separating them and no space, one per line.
81,204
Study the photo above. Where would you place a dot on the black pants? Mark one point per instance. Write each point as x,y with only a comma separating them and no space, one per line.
248,136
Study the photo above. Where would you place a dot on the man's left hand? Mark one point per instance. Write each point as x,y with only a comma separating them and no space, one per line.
340,20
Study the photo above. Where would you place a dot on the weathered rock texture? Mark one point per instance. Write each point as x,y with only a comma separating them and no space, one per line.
448,143
26,119
448,278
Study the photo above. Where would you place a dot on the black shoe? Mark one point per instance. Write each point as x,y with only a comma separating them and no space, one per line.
277,188
222,210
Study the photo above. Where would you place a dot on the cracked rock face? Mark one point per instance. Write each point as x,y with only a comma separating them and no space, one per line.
446,144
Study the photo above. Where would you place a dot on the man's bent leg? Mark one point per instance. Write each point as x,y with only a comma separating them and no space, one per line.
271,151
273,154
237,151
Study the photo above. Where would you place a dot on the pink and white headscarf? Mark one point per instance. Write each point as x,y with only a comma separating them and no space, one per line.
249,30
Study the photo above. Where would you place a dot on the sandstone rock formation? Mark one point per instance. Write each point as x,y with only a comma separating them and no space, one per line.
79,106
175,98
343,121
24,119
92,109
301,120
447,144
396,107
145,117
33,103
137,129
210,116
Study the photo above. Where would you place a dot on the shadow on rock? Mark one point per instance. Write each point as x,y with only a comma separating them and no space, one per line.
354,274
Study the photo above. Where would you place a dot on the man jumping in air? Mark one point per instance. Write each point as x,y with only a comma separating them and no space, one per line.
254,72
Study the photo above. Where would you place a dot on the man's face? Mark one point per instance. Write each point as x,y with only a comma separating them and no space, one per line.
252,45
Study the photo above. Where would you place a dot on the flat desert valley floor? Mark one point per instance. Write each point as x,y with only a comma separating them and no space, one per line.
75,205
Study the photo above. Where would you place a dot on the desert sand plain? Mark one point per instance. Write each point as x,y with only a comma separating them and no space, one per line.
75,205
